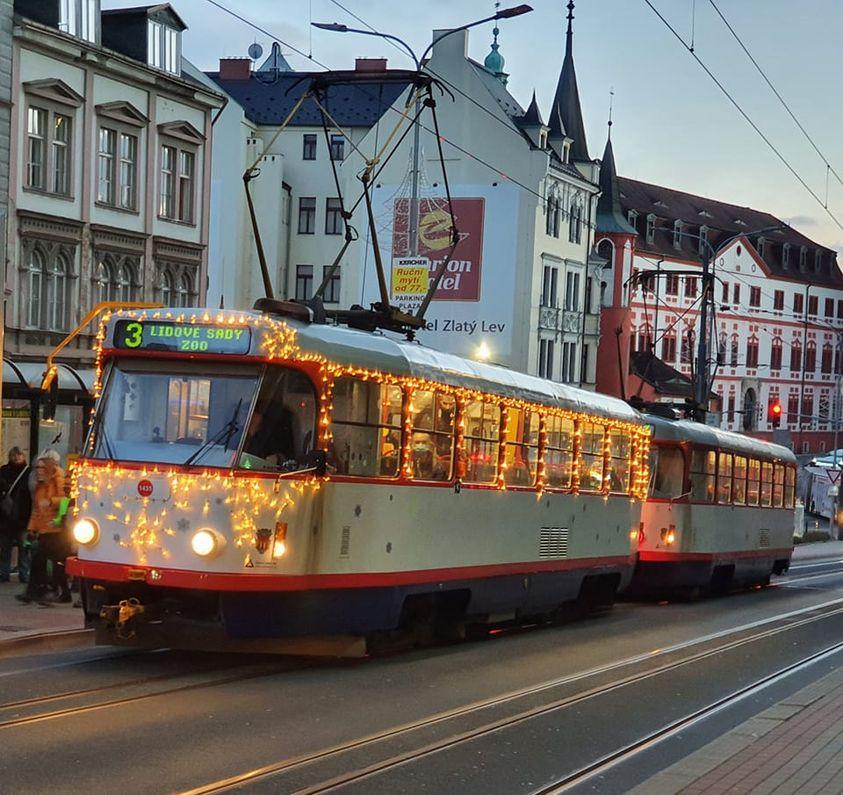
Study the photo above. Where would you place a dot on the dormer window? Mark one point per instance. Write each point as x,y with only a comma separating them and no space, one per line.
80,18
566,152
164,47
703,239
632,217
677,234
818,261
651,228
803,258
543,139
761,246
786,256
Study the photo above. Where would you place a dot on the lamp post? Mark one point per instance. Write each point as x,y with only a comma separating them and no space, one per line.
337,27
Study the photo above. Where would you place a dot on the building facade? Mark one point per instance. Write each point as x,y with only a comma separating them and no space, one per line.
776,335
522,288
108,180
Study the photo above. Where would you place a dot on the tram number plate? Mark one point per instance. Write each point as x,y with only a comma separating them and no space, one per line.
149,335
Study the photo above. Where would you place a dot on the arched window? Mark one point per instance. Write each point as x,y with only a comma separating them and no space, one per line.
721,349
776,354
165,287
734,351
575,222
124,283
183,290
35,267
57,309
102,282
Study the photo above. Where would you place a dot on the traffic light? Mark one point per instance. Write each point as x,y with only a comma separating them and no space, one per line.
775,414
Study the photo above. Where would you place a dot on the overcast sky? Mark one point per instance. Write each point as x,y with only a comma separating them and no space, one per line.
672,125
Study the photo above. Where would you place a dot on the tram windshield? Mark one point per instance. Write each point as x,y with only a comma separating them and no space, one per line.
179,414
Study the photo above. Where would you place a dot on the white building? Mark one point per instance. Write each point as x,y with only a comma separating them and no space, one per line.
521,285
108,185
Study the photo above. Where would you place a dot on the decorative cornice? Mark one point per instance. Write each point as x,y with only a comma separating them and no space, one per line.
183,131
54,90
123,112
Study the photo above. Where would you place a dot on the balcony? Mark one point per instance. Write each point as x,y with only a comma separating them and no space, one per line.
556,318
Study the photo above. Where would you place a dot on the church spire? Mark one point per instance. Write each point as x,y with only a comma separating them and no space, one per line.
494,60
610,217
566,113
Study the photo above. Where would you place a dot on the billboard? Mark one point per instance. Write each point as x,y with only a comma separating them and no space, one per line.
473,304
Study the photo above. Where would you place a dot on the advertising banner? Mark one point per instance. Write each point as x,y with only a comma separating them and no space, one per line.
473,304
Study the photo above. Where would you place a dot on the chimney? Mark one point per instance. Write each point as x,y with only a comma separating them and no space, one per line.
235,68
370,64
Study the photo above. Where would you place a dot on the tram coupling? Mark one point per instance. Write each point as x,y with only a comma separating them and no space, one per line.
122,618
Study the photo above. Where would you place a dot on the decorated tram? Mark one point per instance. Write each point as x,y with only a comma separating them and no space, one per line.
254,481
719,512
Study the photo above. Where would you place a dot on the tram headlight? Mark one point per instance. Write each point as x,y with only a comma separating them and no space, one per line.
279,543
207,543
86,532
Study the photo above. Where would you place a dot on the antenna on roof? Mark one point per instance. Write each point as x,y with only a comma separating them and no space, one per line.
255,51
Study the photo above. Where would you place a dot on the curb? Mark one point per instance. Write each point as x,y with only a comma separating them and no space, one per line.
62,640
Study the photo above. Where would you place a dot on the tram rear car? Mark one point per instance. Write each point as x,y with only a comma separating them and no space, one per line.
452,491
719,513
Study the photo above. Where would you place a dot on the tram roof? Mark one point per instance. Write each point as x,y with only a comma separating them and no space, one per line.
377,351
708,436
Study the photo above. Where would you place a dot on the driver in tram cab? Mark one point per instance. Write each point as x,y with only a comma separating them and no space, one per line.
271,434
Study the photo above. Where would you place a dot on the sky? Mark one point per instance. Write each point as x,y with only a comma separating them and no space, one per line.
672,125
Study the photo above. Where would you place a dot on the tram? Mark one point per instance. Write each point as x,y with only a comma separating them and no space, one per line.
254,481
719,513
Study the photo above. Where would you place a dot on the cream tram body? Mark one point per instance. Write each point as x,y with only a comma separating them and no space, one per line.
719,511
460,487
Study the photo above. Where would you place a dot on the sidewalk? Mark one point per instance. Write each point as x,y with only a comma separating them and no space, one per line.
818,549
795,746
18,620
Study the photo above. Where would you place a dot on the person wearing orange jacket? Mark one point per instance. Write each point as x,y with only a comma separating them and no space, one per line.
46,530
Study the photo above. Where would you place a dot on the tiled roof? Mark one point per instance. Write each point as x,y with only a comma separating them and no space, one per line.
269,100
724,221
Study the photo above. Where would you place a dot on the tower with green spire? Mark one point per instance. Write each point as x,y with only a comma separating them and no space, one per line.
494,61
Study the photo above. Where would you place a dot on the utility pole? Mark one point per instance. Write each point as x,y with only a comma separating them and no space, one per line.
702,342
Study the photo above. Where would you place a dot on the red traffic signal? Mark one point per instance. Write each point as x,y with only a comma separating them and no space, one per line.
775,414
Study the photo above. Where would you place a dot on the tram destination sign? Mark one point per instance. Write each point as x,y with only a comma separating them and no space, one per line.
153,335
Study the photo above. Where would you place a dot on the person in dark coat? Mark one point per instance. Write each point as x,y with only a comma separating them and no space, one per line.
15,507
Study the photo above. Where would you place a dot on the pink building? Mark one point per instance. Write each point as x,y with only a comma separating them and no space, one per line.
776,333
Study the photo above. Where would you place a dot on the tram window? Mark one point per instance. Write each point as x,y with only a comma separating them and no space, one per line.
668,468
559,452
432,447
366,425
522,447
724,478
591,458
766,483
778,486
482,441
283,423
739,487
618,467
753,481
177,413
703,463
790,487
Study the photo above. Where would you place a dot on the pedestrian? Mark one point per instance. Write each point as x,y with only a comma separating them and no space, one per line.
15,506
47,531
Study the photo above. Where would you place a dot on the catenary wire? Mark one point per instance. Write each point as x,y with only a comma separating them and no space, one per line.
745,115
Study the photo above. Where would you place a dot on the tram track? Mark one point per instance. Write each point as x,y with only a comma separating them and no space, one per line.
301,771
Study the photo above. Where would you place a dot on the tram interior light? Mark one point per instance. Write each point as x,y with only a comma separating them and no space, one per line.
86,531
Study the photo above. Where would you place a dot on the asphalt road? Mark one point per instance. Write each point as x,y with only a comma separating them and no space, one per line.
519,712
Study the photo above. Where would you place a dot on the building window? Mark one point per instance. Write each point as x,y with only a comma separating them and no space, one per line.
551,220
304,282
671,284
813,305
651,228
829,308
736,294
79,18
734,352
826,363
754,296
569,362
572,291
117,184
793,408
798,303
690,287
307,215
187,166
721,349
176,196
184,290
776,354
176,285
752,353
546,359
669,348
49,272
725,292
337,147
331,294
549,286
575,223
333,217
48,151
840,310
796,357
589,291
810,357
818,261
808,409
165,288
803,258
686,352
778,300
677,234
786,256
632,218
116,278
309,146
164,47
730,416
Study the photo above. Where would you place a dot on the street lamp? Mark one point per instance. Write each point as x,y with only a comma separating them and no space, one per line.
338,27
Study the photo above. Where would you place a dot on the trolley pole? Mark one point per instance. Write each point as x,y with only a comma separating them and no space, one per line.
702,343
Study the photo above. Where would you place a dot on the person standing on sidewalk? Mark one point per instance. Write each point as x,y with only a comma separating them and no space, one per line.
46,529
15,506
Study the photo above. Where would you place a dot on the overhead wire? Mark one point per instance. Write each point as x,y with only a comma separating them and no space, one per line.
745,115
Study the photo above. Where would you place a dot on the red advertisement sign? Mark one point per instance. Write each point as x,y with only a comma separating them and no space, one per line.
461,281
